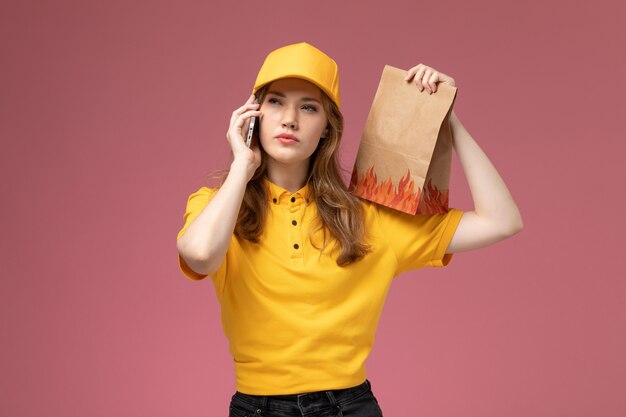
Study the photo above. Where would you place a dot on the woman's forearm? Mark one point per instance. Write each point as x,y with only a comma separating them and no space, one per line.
492,199
205,242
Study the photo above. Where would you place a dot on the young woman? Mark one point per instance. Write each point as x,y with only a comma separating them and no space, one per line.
301,266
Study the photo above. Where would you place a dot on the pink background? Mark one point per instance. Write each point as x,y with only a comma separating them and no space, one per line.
113,112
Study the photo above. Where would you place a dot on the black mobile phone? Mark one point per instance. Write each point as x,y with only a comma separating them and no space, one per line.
251,126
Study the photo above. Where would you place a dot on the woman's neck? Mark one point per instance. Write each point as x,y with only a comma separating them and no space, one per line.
290,177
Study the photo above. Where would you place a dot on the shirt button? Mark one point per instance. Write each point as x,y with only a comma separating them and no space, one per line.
293,199
296,246
274,200
294,222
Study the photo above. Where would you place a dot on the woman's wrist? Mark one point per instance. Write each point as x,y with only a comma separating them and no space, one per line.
241,168
456,127
454,120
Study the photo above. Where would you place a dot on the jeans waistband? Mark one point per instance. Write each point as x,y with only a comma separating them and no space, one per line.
275,401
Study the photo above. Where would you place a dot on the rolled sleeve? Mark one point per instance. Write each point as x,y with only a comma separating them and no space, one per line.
195,204
418,240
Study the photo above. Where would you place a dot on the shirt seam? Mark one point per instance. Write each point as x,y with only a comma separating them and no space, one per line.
380,228
446,235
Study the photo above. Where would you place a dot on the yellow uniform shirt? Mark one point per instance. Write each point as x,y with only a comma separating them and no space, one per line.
295,320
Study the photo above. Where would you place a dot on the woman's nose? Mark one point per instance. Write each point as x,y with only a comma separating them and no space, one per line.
289,120
291,125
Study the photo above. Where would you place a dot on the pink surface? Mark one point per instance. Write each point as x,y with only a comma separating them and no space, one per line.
112,113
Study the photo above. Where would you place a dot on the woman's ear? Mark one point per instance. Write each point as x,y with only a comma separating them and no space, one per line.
325,134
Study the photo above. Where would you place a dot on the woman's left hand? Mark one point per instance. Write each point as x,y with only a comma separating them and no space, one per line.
427,77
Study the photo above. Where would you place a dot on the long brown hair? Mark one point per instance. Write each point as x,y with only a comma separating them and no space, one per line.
340,212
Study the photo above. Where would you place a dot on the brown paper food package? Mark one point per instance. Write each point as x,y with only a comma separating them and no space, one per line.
405,155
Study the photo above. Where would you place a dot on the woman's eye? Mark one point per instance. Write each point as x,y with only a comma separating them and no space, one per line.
306,107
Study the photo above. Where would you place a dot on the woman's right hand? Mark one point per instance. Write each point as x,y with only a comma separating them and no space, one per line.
248,158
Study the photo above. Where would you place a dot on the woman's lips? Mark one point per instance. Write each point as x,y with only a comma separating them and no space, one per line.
287,139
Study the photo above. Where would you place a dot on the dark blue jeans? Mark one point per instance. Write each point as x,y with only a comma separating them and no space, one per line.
357,401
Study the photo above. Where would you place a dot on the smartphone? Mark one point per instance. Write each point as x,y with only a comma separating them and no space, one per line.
251,127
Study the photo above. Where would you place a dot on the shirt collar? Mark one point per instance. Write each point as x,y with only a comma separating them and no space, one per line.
278,194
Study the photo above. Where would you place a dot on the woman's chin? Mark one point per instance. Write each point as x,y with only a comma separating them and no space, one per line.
286,158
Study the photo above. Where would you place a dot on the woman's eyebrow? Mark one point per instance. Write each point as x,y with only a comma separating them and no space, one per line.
279,94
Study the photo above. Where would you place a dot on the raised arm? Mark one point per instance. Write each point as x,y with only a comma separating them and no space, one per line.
495,215
205,242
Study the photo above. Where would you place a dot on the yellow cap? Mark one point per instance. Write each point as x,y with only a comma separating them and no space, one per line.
301,60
